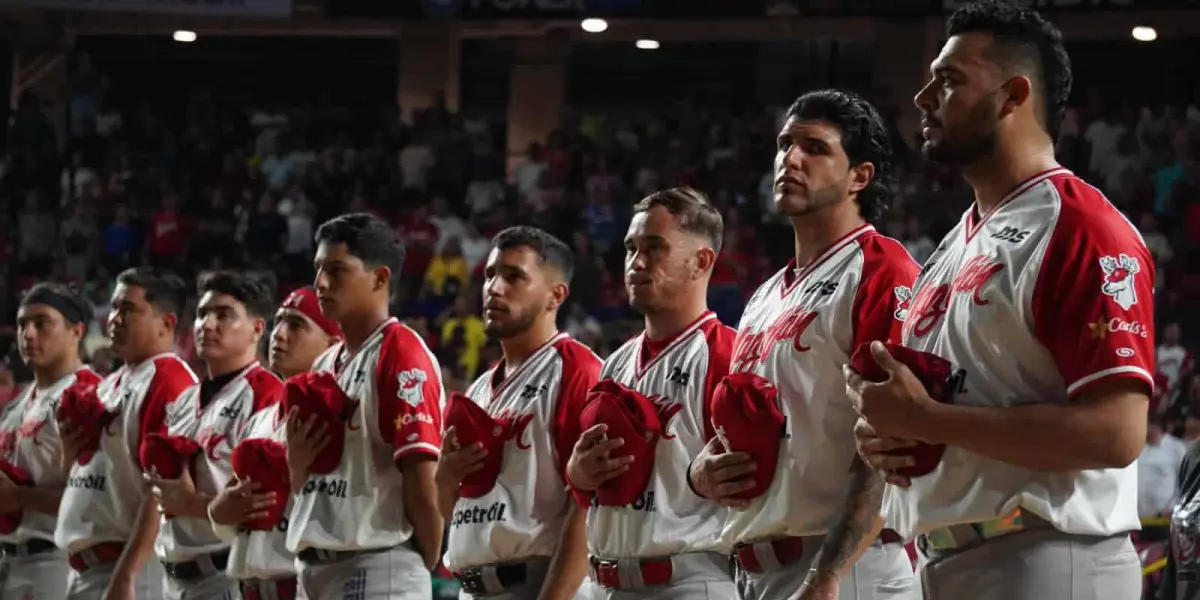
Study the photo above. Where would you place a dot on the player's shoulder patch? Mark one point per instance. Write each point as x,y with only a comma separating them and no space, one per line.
904,296
410,386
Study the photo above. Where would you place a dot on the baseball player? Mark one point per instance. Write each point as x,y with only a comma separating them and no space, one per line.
519,536
51,321
108,520
371,525
846,286
666,543
1041,298
229,324
259,561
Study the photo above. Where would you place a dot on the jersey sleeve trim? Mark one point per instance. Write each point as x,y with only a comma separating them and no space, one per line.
417,448
1124,372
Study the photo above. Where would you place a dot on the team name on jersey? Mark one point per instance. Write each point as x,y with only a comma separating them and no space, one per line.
210,439
667,409
281,526
644,504
334,488
515,424
88,482
750,349
478,515
933,301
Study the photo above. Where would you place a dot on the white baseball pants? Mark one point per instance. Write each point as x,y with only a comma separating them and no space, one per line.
883,572
697,576
42,575
213,587
397,574
91,584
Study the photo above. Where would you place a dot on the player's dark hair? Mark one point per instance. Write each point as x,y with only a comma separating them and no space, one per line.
1027,44
550,249
696,215
252,293
368,238
164,290
69,304
865,139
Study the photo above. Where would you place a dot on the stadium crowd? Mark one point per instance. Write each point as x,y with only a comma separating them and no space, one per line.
239,181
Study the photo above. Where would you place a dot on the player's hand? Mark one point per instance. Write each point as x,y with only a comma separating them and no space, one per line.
590,465
9,499
305,439
455,461
818,588
174,496
894,407
874,452
71,440
239,502
717,474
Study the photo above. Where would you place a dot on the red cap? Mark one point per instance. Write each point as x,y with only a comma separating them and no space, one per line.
304,301
10,521
472,424
933,372
319,393
634,418
80,406
166,455
264,462
746,416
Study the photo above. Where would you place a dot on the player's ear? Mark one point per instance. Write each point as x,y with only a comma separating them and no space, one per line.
706,257
1016,92
383,276
860,176
260,327
559,293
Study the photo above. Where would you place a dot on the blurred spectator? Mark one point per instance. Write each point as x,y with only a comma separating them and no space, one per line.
78,240
463,334
166,233
36,227
447,271
9,389
1158,467
918,244
1174,361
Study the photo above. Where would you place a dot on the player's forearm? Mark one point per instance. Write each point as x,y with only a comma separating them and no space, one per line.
40,499
141,544
1053,437
569,565
447,500
858,524
421,506
195,506
298,477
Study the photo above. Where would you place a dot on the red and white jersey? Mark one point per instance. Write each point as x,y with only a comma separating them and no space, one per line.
798,331
260,554
102,497
1035,301
29,440
214,426
679,375
523,515
397,383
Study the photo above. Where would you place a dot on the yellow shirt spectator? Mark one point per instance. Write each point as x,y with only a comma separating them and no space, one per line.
473,339
444,268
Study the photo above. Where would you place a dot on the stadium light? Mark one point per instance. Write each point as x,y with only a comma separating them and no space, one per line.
185,36
594,25
1144,34
647,44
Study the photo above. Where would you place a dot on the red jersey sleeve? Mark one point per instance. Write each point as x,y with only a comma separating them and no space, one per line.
720,352
266,387
883,297
1093,302
171,377
580,371
410,395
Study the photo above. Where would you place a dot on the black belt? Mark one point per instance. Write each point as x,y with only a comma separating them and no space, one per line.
320,556
29,548
477,580
195,569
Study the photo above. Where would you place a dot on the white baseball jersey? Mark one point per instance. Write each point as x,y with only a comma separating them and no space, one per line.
679,375
260,554
524,513
212,419
798,331
1034,301
102,497
29,440
397,383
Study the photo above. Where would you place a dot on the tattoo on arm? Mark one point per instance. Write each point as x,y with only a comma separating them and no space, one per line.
858,523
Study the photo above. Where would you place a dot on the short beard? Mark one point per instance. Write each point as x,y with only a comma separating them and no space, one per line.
976,142
820,199
521,323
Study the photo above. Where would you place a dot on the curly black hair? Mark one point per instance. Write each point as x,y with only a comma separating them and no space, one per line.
865,139
1027,44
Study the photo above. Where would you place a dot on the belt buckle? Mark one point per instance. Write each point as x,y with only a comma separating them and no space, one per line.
471,580
608,573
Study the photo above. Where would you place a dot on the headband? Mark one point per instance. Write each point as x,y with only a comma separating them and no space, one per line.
304,301
67,306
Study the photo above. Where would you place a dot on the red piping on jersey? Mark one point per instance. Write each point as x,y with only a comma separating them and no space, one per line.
497,388
825,255
640,369
974,225
340,361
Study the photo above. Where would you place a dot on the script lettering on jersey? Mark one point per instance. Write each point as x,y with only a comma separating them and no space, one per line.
932,301
516,425
230,411
1011,234
822,288
281,527
645,503
88,482
751,349
210,439
334,488
1101,328
478,515
667,409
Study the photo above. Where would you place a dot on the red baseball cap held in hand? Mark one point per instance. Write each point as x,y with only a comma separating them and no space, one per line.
934,373
264,462
632,417
472,424
746,417
166,456
80,407
10,521
314,393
